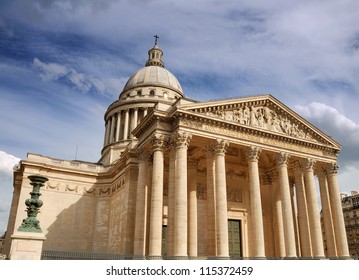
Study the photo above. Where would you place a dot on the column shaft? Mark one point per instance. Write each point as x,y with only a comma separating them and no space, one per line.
141,207
303,221
107,131
313,211
118,126
171,202
112,129
278,223
327,216
211,203
258,248
286,206
192,208
180,221
221,200
156,215
337,212
125,130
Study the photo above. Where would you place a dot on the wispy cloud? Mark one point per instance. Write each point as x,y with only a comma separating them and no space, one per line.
82,82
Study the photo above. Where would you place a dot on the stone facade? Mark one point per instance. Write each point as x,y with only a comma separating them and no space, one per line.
188,179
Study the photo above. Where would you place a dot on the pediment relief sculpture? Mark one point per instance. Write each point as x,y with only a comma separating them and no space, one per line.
262,117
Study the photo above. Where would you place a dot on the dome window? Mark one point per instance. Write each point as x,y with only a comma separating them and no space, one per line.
139,93
152,93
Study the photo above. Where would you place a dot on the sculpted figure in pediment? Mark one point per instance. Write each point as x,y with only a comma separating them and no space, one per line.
262,117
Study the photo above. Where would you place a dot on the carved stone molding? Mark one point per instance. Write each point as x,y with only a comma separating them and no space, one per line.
192,163
270,177
252,153
201,191
234,194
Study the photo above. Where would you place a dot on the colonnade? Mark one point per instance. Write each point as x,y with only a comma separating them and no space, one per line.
294,236
120,124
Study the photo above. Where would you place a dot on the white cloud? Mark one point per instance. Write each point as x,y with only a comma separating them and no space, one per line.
337,125
7,163
54,71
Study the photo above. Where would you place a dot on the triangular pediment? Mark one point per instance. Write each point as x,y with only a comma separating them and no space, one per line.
263,112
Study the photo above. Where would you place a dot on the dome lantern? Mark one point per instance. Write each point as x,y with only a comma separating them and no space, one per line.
155,55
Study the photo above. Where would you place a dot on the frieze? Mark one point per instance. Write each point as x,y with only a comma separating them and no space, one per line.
52,185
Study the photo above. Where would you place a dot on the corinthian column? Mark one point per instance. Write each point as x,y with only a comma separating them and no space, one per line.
327,215
221,199
181,140
211,202
303,220
141,206
313,211
192,207
282,160
171,200
258,249
156,215
337,212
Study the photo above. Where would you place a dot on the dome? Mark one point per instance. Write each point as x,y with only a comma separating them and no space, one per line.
153,76
154,73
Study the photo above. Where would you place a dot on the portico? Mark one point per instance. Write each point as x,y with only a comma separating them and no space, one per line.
269,188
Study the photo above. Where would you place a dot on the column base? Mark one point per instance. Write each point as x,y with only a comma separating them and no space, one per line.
154,258
219,258
257,258
177,257
290,258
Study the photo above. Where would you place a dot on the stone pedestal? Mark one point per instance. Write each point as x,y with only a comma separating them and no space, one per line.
26,245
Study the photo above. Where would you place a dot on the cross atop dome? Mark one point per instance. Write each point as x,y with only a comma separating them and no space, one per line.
156,38
155,55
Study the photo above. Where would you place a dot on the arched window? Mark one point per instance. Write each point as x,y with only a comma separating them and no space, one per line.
139,92
152,93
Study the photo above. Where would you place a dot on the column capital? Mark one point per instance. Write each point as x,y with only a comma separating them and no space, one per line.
158,142
220,147
331,168
309,164
180,139
252,153
282,159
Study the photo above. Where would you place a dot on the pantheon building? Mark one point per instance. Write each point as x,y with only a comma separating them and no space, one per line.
183,179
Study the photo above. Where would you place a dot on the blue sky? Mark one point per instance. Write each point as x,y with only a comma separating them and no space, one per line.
62,63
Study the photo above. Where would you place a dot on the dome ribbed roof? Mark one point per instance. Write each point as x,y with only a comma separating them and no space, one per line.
153,76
